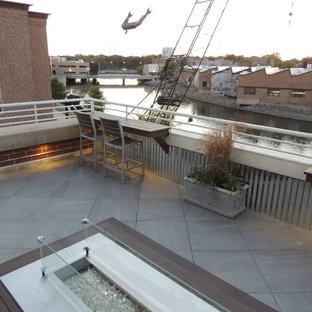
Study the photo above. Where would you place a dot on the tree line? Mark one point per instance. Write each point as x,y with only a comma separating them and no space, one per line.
114,61
135,62
273,59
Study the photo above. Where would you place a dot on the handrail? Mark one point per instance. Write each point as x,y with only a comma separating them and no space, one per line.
36,112
219,120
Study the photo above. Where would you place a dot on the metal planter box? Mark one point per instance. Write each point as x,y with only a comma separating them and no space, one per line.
221,201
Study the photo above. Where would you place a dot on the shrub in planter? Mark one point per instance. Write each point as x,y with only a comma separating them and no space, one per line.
214,187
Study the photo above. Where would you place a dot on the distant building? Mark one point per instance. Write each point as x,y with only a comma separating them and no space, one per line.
220,79
24,60
217,79
225,81
202,79
218,61
151,69
272,85
61,67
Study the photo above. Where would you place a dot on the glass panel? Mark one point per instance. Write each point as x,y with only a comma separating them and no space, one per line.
92,297
66,235
163,271
78,236
74,235
49,259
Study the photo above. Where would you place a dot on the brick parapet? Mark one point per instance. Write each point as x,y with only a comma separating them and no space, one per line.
37,152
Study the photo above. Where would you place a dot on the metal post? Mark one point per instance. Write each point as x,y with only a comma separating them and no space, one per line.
170,120
86,222
92,106
40,240
36,116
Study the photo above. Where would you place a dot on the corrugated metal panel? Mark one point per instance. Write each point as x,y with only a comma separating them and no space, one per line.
277,196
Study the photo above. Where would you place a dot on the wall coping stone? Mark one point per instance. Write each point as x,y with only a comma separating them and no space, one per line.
48,132
14,137
273,161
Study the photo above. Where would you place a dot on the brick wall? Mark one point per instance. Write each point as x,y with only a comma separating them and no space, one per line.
282,80
31,153
204,76
24,60
41,70
15,58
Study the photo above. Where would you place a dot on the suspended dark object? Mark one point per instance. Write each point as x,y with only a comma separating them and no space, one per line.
126,25
175,101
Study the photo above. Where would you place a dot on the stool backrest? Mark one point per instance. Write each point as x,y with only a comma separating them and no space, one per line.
112,127
86,122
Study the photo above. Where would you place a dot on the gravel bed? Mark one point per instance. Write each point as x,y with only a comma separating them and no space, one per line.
93,300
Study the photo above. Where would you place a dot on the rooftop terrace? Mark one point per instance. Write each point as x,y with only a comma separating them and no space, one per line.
267,258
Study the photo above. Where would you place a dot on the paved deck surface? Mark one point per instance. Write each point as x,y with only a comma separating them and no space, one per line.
269,259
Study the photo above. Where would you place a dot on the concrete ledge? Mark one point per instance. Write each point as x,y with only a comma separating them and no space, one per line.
272,161
35,134
256,157
55,131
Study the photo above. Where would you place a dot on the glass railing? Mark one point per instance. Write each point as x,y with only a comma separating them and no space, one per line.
58,259
56,262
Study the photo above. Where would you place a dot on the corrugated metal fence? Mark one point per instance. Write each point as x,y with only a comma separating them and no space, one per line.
275,195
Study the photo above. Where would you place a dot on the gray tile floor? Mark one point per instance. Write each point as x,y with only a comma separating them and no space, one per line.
267,258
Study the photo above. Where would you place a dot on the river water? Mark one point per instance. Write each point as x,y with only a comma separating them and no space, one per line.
132,93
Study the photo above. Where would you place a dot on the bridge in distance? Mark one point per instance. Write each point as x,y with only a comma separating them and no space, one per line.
110,76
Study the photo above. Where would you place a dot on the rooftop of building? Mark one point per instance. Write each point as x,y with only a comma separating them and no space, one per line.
16,5
22,6
269,259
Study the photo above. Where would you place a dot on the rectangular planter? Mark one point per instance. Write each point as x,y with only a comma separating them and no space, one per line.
221,201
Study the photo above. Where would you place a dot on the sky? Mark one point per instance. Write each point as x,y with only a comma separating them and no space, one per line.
248,27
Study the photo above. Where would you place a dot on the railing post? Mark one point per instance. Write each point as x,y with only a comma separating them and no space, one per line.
92,106
170,119
40,240
86,223
126,112
36,116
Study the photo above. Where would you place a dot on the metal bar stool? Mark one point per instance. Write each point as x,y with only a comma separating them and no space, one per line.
114,137
89,131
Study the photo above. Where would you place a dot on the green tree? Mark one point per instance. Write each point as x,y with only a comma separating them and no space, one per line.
140,69
306,60
114,61
273,59
288,64
245,62
168,72
96,93
58,89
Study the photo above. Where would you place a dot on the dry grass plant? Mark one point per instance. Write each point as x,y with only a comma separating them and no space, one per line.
218,145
